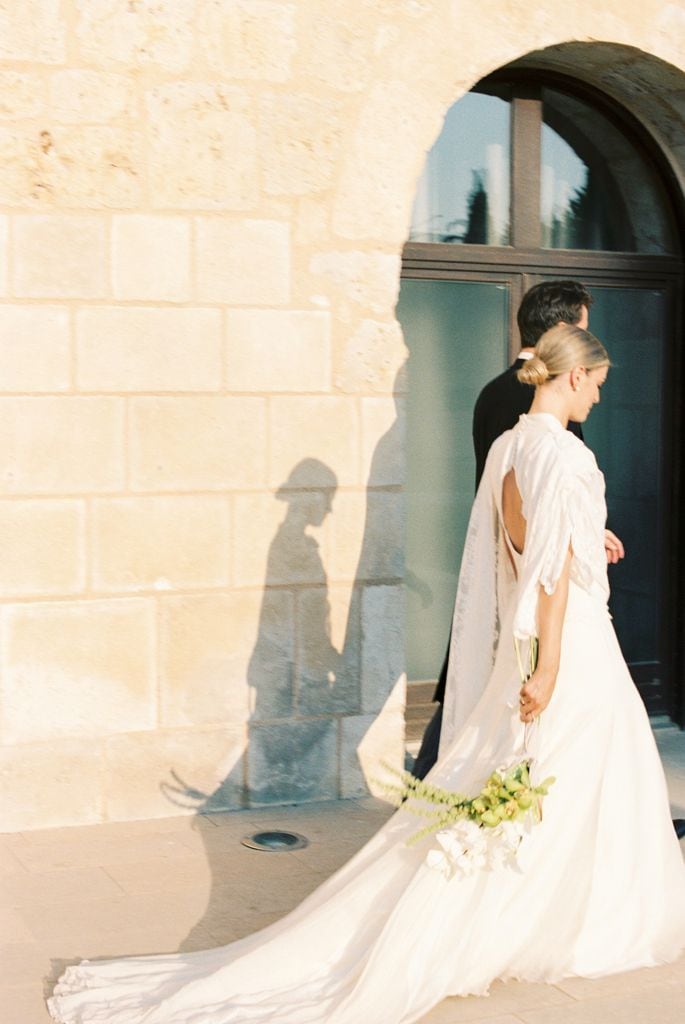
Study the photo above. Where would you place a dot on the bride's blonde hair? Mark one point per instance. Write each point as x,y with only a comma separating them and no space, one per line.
560,349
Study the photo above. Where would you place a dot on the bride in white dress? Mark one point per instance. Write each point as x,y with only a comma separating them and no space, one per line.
600,883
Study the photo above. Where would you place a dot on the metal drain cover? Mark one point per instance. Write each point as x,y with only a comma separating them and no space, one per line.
275,842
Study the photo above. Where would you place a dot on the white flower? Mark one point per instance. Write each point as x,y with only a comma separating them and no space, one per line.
439,862
463,848
511,833
504,844
445,858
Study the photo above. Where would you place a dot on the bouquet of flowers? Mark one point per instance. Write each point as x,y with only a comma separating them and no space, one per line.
483,831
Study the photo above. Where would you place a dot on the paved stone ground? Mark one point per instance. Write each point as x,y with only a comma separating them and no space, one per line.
152,886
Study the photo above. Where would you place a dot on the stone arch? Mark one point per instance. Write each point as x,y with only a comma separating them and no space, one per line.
648,88
402,114
637,83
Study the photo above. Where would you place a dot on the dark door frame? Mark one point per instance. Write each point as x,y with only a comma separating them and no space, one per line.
524,262
522,268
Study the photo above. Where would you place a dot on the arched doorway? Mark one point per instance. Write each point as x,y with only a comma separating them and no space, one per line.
537,176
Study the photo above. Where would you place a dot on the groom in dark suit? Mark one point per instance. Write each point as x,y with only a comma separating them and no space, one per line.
497,409
505,398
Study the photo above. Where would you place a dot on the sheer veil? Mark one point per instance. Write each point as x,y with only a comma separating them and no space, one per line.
560,484
476,621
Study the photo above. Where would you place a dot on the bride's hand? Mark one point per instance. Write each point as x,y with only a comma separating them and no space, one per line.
613,547
536,693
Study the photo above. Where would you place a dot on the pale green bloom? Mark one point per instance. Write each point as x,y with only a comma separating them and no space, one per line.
474,832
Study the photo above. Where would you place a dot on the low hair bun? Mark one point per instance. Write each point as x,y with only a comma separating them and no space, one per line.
533,372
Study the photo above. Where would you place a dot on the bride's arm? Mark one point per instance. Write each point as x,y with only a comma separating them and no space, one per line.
537,692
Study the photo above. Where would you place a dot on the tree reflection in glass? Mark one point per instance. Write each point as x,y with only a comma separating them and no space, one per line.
463,194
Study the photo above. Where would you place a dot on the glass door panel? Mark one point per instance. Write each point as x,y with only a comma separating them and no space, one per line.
598,191
625,432
456,332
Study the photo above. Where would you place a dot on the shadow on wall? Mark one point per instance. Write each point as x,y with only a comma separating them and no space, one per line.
294,671
313,705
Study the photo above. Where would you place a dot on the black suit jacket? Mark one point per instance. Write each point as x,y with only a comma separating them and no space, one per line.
497,409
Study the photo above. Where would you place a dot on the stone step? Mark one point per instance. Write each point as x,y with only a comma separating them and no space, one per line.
419,712
420,691
414,730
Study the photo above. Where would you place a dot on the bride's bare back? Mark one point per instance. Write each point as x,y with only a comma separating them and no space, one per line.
514,522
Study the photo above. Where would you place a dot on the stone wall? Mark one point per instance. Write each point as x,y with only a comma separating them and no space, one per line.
202,209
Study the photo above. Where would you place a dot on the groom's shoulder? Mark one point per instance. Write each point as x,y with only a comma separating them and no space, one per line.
505,389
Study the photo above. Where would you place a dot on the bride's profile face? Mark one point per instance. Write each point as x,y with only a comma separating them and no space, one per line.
588,392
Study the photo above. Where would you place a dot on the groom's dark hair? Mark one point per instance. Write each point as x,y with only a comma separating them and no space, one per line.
547,304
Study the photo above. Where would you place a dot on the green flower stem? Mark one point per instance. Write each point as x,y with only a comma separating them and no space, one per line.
506,796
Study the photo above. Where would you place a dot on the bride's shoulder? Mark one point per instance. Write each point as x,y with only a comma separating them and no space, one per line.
569,460
554,453
574,455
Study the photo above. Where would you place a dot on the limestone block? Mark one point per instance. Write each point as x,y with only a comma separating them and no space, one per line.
366,536
151,257
311,221
94,97
383,440
302,140
71,166
250,39
292,762
22,181
338,48
42,547
62,445
373,200
22,94
270,672
158,35
144,349
367,743
321,428
344,535
175,771
161,542
46,785
35,351
243,262
273,350
4,253
59,256
225,657
370,358
328,671
370,279
81,668
269,548
383,619
207,443
203,147
33,31
96,166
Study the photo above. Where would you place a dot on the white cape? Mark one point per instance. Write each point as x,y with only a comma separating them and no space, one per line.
601,885
563,503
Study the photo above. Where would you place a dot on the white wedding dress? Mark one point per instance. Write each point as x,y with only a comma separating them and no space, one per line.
601,881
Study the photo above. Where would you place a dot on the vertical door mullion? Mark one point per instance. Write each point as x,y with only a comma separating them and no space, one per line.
517,290
526,128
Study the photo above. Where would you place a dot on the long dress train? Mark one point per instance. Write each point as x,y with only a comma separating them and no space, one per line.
600,886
